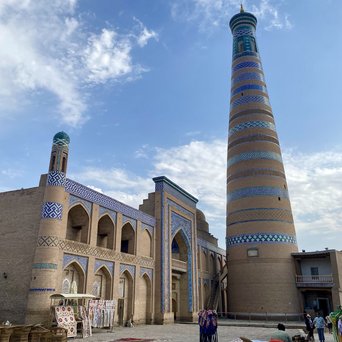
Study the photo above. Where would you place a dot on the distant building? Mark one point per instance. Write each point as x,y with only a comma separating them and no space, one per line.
319,280
160,263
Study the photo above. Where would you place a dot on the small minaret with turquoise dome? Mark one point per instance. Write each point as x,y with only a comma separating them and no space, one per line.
47,259
260,230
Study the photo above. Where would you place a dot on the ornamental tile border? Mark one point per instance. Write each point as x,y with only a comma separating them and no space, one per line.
56,178
44,266
254,155
81,260
91,195
247,64
251,124
75,200
249,87
42,289
257,191
47,241
248,99
267,238
52,210
247,76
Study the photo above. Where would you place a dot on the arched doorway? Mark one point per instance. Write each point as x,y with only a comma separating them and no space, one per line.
128,239
102,284
125,303
78,224
180,288
144,302
73,279
105,232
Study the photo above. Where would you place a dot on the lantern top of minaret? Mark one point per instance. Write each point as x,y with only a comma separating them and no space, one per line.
242,19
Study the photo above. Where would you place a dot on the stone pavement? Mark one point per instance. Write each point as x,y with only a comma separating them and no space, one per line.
186,333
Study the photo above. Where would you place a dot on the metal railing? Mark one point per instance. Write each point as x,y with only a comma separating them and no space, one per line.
262,316
325,279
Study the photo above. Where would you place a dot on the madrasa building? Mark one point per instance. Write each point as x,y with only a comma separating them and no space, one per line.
160,263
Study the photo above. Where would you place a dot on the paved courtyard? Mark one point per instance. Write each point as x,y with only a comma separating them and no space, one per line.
185,333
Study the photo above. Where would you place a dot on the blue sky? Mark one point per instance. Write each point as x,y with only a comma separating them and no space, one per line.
142,88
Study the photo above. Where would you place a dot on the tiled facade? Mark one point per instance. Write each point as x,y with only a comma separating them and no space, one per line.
260,230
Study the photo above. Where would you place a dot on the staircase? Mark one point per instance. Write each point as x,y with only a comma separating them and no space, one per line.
216,289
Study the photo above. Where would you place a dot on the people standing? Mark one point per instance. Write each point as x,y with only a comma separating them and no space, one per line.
339,328
319,323
309,327
329,324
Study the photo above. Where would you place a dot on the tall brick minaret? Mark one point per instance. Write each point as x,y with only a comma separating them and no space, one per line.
260,230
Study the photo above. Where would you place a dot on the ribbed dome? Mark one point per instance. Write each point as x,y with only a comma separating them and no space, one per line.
61,138
202,223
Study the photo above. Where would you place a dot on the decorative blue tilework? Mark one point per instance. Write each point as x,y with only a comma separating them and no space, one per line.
44,266
69,258
249,87
74,200
47,241
260,238
179,222
251,124
148,271
133,222
248,76
243,31
107,202
129,268
111,213
148,228
100,263
56,178
164,184
52,210
180,208
253,155
249,64
257,191
248,99
42,289
246,53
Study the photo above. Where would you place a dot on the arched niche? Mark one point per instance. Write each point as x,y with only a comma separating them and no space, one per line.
105,232
78,224
204,260
73,278
102,284
179,247
127,239
145,243
125,302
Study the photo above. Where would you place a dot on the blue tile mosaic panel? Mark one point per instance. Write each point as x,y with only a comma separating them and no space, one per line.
148,271
147,227
251,124
260,238
248,76
257,191
248,99
52,210
243,31
129,268
133,223
180,222
249,87
73,200
111,213
246,53
81,260
55,178
42,289
99,263
44,266
91,195
253,156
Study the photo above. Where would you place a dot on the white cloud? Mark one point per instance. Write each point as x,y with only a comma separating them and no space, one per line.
45,48
213,13
314,180
145,34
